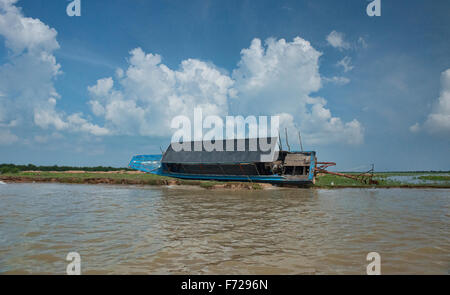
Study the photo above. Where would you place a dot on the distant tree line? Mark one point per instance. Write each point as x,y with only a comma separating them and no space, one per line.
11,168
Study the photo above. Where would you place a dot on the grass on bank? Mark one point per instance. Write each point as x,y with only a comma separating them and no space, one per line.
141,178
329,181
124,178
12,168
435,177
322,181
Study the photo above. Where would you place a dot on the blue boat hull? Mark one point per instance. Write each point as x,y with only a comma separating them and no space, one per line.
273,179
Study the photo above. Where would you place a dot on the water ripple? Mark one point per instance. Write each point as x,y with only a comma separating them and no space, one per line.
174,230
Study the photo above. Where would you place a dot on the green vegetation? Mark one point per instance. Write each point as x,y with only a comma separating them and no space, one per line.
208,184
14,174
256,186
330,181
9,168
435,177
403,173
118,178
144,178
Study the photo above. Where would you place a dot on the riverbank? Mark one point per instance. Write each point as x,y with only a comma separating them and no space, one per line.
138,178
387,180
120,177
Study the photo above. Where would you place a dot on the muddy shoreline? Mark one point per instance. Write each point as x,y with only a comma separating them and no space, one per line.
202,184
115,181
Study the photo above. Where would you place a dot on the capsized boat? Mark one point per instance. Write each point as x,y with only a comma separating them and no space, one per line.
268,165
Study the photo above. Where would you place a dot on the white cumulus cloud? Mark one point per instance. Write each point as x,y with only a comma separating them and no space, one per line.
148,94
274,78
279,78
336,39
438,121
27,78
24,32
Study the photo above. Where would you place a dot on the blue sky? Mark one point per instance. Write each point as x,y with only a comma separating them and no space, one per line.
380,93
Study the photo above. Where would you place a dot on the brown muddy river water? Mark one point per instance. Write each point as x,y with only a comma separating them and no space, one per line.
175,230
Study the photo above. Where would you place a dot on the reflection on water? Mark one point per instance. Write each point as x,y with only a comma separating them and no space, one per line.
128,230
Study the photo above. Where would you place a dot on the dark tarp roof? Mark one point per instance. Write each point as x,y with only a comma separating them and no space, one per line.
235,156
